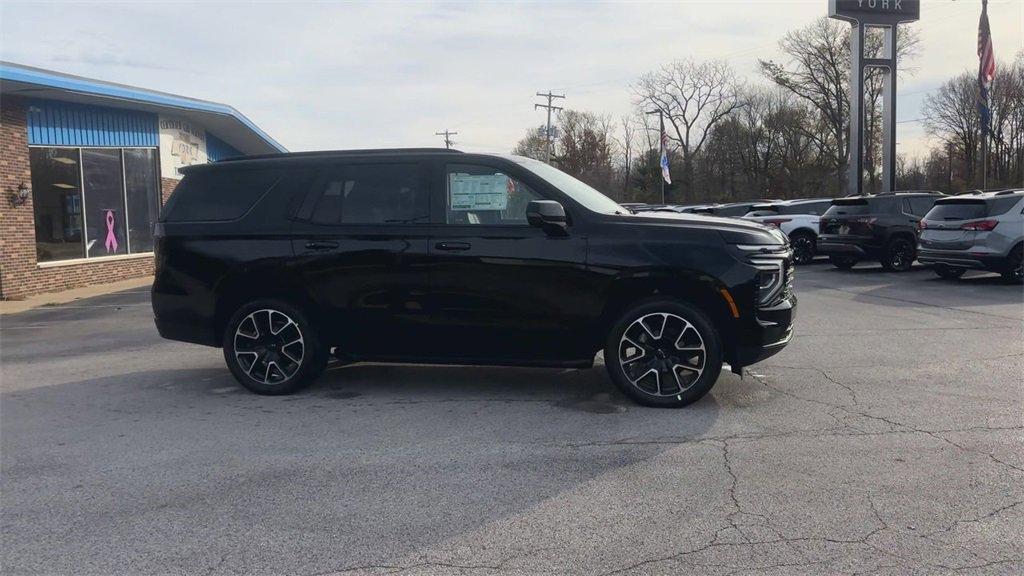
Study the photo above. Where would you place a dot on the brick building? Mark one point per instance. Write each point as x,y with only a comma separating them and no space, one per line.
85,166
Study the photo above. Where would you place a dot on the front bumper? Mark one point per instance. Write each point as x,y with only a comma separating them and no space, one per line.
772,331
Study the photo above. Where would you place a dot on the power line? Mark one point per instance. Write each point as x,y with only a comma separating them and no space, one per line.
447,137
547,135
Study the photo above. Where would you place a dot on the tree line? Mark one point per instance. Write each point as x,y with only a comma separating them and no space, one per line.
785,135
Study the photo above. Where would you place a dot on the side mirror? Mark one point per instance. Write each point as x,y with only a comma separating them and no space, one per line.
548,215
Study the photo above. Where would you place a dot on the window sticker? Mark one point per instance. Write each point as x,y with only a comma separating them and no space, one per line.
478,192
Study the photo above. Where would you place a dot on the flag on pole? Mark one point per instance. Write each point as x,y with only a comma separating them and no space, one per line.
986,67
664,155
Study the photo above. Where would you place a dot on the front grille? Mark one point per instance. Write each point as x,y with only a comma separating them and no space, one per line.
787,286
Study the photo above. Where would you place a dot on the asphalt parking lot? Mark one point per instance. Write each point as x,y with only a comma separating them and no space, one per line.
887,438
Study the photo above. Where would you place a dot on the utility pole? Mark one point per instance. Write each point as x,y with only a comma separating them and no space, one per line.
447,137
549,107
661,144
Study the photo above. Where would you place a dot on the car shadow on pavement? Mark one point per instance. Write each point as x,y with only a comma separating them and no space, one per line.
411,455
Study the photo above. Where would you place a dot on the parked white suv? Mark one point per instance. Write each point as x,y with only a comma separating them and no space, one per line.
797,219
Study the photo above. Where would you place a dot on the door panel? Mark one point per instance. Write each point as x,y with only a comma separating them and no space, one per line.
509,293
370,283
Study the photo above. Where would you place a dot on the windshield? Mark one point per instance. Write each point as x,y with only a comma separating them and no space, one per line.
590,199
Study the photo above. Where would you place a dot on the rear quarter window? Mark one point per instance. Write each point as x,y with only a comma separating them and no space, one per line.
1002,205
217,196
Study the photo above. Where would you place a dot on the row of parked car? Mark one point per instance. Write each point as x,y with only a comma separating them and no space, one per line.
973,231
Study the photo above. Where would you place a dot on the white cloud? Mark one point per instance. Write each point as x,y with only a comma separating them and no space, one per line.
344,75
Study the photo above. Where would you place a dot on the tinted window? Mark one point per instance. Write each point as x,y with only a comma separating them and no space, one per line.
920,205
371,194
1002,205
959,210
846,207
484,195
218,195
806,208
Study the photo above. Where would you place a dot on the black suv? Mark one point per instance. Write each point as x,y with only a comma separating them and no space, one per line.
880,227
438,256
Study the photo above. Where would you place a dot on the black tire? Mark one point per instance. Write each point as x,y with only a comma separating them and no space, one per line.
949,272
1014,272
283,361
689,373
804,247
899,254
843,262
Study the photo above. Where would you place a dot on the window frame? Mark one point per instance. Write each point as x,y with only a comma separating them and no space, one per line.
124,202
304,208
441,204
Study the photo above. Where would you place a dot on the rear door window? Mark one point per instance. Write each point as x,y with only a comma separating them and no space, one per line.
369,194
218,195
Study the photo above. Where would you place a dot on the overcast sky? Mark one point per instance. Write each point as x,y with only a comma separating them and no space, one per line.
330,75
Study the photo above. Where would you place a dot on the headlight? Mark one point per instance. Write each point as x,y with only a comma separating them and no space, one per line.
774,277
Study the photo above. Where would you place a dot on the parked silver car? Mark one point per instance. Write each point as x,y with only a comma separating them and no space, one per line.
983,231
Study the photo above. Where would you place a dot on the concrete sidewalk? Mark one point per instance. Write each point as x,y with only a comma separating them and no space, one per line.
54,298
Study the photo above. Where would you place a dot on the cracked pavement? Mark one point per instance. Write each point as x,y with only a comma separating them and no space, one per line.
886,439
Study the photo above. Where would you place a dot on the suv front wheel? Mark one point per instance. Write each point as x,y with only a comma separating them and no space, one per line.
272,348
663,353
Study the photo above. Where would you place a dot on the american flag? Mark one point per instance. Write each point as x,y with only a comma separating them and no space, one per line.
986,66
664,154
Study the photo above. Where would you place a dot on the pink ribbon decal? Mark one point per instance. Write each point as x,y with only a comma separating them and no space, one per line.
111,242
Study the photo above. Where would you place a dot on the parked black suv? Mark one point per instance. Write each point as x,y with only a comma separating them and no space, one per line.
880,227
444,257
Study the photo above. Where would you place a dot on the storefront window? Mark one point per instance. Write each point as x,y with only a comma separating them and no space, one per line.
142,185
115,203
104,202
57,201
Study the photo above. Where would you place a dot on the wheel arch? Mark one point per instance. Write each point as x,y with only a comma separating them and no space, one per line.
238,290
700,291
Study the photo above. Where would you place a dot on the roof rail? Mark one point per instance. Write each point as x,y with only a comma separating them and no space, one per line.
1007,192
330,153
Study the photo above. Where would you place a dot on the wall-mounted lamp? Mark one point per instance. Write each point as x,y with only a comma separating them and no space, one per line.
20,196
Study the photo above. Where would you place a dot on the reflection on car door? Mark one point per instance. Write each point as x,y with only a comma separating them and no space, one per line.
502,289
360,240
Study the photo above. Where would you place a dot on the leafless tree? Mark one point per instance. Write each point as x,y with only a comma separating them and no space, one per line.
694,97
818,72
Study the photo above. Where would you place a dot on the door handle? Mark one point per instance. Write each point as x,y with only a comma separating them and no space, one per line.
321,245
452,246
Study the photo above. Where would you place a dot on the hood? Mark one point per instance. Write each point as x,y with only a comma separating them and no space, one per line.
733,230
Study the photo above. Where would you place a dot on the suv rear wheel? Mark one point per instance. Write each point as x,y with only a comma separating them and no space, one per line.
663,353
899,254
271,348
1014,273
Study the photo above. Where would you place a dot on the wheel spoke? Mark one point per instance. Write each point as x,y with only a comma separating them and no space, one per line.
657,336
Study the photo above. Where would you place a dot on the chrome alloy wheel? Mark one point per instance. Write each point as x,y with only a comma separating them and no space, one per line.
662,354
269,346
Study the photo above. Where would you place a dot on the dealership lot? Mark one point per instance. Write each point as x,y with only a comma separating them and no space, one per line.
885,439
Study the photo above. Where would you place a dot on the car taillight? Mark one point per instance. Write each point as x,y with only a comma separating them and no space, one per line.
980,225
777,221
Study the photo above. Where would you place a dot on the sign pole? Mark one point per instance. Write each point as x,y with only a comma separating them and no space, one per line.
887,15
